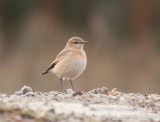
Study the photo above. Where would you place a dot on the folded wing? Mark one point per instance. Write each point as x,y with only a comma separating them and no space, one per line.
60,57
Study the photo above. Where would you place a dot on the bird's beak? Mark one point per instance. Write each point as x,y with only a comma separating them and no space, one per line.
84,42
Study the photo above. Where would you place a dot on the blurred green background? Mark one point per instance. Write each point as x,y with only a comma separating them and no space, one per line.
123,49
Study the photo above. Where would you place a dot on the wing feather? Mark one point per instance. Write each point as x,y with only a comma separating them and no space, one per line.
59,57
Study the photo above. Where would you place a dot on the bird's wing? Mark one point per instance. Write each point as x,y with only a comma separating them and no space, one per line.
60,57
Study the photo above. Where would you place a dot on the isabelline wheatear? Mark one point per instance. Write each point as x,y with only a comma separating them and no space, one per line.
70,62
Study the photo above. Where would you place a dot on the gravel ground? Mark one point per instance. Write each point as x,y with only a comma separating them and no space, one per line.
98,104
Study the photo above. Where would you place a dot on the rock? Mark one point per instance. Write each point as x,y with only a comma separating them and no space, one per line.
79,106
26,89
70,91
102,90
30,94
38,93
51,111
77,93
18,93
3,95
53,93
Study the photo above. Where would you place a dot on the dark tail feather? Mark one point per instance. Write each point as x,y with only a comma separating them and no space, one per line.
51,67
45,72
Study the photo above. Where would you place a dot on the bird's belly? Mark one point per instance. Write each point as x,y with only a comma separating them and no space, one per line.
70,68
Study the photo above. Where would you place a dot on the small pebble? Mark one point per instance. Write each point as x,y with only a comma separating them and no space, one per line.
38,93
77,93
69,91
102,90
30,94
18,93
26,89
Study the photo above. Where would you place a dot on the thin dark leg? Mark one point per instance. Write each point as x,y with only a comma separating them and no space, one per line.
71,84
61,84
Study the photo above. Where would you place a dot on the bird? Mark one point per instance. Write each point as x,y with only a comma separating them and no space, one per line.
70,62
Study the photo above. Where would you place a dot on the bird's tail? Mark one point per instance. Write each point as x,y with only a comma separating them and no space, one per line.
45,72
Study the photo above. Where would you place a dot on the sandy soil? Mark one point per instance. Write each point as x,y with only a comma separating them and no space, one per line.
98,104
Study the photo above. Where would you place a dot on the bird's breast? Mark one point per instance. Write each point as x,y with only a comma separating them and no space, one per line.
72,66
78,61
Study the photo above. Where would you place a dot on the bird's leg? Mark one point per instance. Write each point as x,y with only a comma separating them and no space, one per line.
71,84
61,84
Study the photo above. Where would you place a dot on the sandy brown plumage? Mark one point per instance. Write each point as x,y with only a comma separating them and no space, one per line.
70,62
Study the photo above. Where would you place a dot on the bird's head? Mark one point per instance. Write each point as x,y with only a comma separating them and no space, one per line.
76,43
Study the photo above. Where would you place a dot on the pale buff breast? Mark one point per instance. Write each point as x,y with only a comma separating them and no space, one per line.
72,66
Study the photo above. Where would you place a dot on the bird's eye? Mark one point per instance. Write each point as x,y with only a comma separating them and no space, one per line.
75,42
